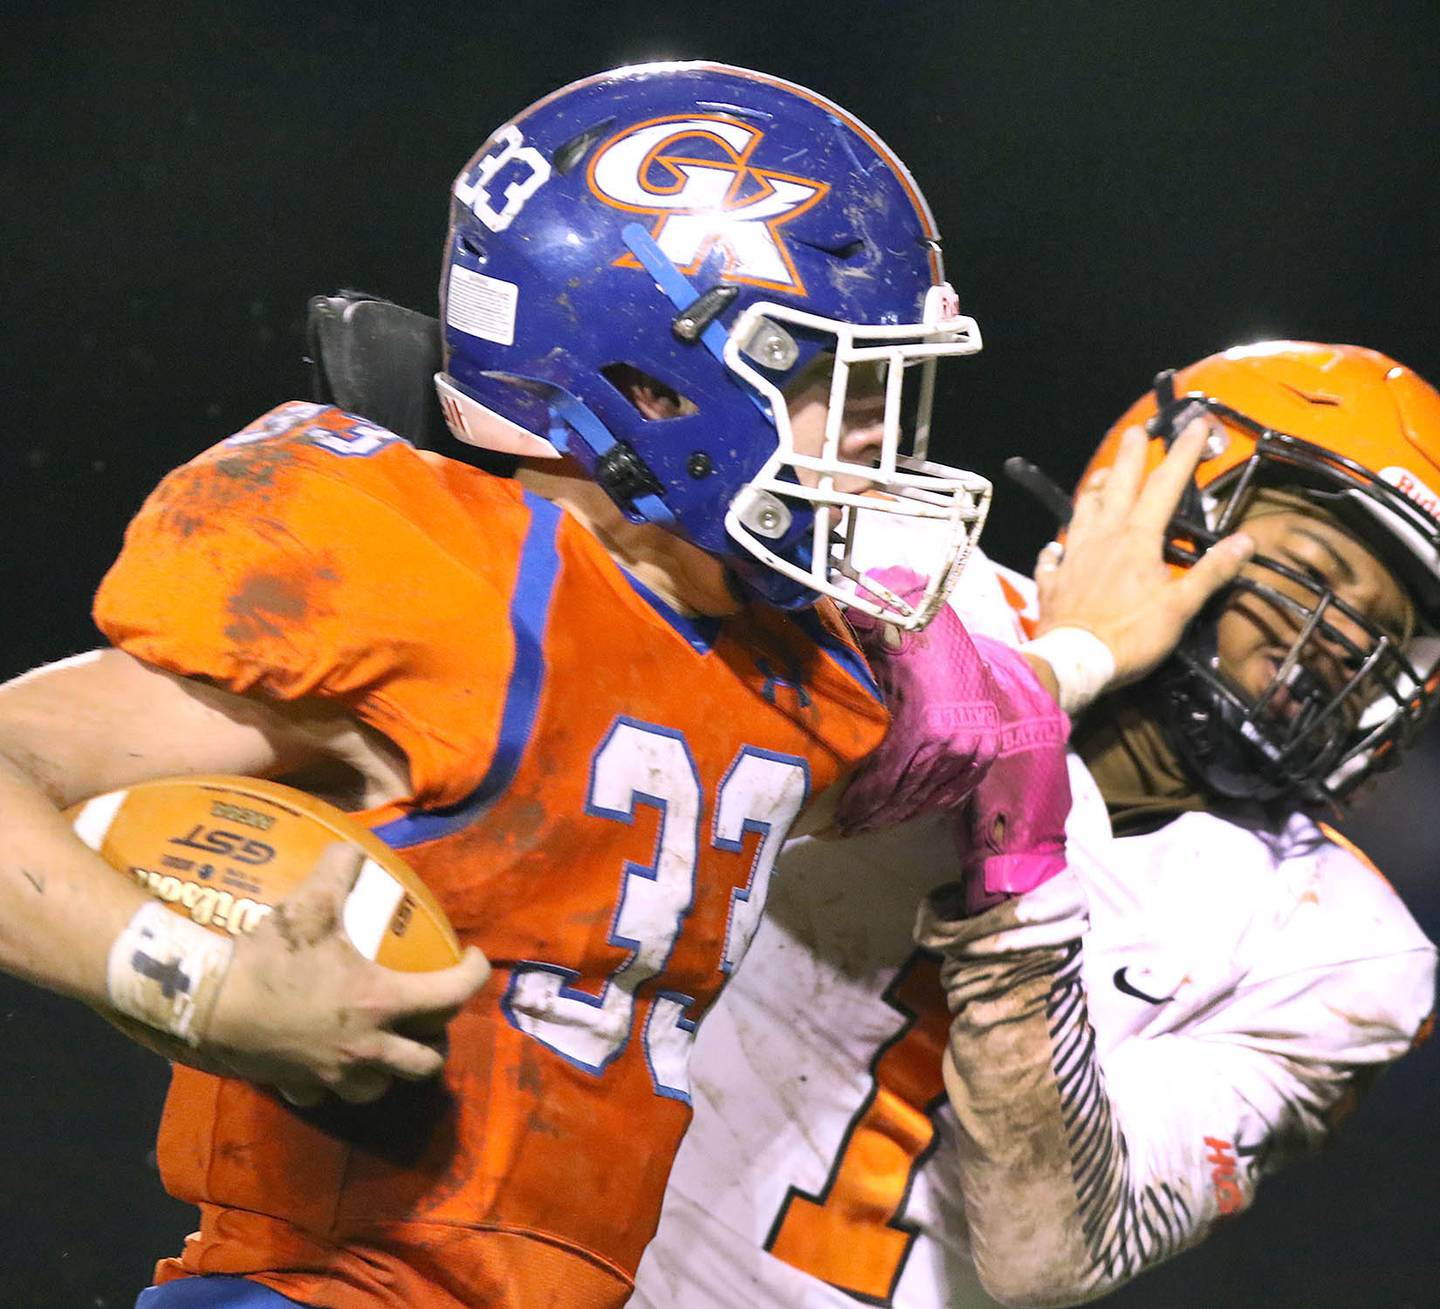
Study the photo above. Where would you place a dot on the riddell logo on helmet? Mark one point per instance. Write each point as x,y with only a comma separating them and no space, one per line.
1404,481
693,172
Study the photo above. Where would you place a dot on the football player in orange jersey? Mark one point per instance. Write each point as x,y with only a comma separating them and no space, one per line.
705,307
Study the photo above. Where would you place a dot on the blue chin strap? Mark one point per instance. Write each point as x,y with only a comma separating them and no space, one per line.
572,412
676,286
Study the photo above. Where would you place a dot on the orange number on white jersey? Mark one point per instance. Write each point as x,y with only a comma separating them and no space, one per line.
851,1234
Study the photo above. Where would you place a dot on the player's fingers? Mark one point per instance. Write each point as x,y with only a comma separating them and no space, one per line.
363,1085
1089,502
398,1056
1047,569
301,1095
1202,425
1048,560
444,990
911,785
1164,487
313,910
1127,473
1219,566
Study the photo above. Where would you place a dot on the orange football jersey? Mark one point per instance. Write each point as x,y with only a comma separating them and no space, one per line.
599,790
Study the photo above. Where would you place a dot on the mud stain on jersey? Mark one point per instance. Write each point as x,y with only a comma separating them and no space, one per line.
264,606
254,465
200,491
521,826
238,1153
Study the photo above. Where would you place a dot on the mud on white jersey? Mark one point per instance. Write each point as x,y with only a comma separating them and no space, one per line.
1239,986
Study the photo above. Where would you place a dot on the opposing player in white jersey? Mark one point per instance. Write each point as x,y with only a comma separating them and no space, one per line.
1205,990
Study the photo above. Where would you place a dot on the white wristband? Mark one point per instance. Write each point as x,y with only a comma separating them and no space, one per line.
166,971
1081,661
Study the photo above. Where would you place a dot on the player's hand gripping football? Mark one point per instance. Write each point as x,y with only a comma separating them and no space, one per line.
1111,578
300,1009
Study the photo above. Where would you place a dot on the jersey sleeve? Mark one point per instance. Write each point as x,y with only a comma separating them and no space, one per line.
1078,1170
285,568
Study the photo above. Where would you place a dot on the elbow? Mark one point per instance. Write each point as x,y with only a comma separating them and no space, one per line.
1038,1295
1024,1283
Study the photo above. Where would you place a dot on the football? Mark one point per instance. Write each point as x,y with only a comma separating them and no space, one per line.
223,851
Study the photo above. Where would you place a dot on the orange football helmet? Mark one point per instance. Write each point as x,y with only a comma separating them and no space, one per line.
1358,435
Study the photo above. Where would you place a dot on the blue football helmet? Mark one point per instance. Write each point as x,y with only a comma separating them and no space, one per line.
722,237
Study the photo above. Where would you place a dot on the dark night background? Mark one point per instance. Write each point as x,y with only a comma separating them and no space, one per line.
1123,186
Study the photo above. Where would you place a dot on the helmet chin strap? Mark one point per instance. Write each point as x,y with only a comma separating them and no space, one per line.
576,414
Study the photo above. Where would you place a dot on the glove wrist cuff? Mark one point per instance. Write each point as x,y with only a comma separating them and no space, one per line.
1082,663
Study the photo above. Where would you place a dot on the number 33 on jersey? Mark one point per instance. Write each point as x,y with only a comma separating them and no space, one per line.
640,764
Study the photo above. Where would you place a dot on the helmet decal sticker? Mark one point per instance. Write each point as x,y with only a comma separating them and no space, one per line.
693,172
1404,481
473,189
482,306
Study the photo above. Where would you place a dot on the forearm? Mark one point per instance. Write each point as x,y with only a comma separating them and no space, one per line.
1054,1214
1020,1201
1044,673
61,905
85,726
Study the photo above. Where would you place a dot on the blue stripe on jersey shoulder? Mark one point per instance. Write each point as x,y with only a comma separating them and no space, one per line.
701,632
849,659
529,615
214,1291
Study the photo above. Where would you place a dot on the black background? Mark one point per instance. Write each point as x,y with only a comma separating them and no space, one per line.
1122,186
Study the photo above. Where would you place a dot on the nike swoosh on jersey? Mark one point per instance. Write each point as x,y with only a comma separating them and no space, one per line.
1122,985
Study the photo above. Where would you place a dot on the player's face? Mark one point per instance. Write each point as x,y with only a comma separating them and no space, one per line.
1255,634
862,429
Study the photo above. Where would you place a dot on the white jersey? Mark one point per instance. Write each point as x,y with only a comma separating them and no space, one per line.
1239,986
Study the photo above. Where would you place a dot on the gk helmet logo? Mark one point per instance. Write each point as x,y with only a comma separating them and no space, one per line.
693,172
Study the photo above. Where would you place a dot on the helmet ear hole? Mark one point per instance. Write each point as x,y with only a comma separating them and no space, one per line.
652,399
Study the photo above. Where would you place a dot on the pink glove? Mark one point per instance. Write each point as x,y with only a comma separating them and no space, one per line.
945,723
1012,831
